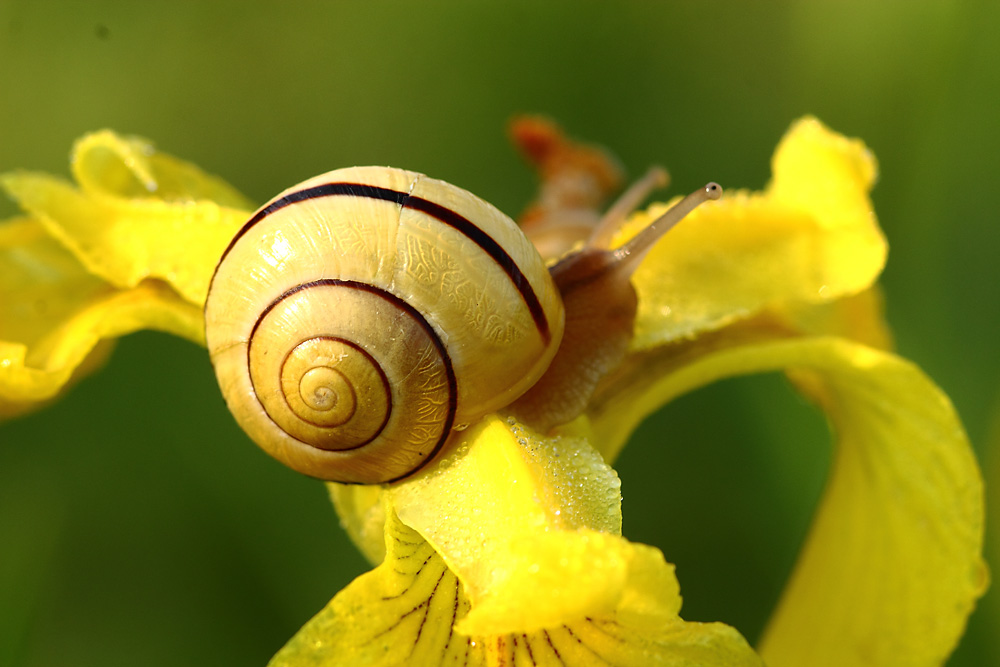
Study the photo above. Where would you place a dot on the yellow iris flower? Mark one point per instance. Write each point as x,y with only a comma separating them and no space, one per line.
509,550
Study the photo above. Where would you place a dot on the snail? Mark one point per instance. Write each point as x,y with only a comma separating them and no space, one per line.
361,318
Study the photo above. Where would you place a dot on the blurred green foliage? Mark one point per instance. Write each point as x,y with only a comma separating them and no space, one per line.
137,523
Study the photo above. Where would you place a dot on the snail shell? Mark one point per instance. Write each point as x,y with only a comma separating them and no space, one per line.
358,317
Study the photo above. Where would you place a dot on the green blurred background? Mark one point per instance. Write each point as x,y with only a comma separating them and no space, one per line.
137,523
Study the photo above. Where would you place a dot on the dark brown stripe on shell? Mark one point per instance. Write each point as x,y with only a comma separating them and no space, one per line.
443,214
494,250
415,314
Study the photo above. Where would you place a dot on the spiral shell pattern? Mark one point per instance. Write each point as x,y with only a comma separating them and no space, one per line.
358,317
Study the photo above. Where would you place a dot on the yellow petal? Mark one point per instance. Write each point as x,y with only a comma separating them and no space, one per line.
859,317
53,315
409,609
810,237
545,580
825,173
107,164
892,566
532,528
39,282
23,390
128,239
402,612
361,512
490,507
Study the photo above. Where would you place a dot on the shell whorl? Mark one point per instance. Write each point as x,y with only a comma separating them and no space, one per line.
328,391
357,317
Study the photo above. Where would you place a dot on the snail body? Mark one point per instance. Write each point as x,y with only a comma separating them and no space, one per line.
357,318
360,318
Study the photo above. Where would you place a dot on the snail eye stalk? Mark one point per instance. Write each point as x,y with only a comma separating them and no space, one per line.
654,179
631,254
600,304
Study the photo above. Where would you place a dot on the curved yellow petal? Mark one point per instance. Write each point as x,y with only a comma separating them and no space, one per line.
810,237
105,163
23,389
892,566
859,317
54,315
825,173
532,528
545,580
409,611
490,507
120,226
39,282
403,612
360,507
